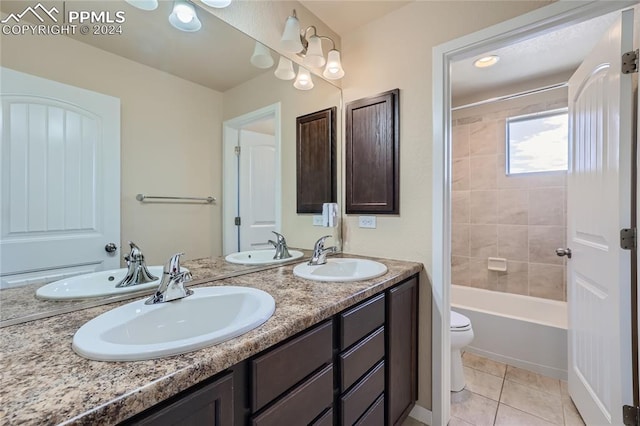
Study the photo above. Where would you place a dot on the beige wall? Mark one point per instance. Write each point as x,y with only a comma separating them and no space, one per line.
170,140
395,52
265,90
521,218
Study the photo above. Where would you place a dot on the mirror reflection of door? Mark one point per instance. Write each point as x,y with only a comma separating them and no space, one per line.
251,184
256,183
61,180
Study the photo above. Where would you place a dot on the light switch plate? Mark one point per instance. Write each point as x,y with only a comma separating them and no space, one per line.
317,220
367,221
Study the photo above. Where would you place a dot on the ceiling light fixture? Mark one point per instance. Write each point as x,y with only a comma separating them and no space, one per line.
144,4
303,80
309,48
261,57
285,71
486,61
217,3
184,17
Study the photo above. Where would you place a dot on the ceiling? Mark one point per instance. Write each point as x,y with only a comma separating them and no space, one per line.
552,54
217,56
345,16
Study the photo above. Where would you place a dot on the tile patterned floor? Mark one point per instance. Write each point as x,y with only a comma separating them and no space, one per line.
503,395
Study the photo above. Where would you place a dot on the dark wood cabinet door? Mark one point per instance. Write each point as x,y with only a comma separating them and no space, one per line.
210,405
402,350
316,180
372,155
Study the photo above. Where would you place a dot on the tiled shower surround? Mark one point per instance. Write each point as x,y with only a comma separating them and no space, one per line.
520,217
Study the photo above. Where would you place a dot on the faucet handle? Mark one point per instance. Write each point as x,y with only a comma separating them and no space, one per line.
172,267
135,254
172,283
320,243
279,237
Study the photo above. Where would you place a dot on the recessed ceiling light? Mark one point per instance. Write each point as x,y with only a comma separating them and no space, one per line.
486,61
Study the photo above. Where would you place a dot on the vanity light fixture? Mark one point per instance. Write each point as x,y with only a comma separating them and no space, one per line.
219,4
486,61
184,17
295,40
285,71
261,57
144,4
303,80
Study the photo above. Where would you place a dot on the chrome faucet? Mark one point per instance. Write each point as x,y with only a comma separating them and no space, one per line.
319,256
282,251
172,284
137,272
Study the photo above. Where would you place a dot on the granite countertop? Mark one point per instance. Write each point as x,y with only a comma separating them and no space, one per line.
42,381
20,303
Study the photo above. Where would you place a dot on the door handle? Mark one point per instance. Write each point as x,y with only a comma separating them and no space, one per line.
111,247
563,252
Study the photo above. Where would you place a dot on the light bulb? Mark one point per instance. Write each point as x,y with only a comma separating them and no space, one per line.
183,13
290,40
486,61
184,17
261,57
333,70
303,80
314,56
285,69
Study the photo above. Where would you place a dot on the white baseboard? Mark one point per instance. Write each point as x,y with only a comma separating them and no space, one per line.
421,414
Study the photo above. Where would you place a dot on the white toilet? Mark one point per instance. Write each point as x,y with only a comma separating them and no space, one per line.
461,336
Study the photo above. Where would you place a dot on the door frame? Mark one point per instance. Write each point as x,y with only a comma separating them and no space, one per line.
542,20
230,137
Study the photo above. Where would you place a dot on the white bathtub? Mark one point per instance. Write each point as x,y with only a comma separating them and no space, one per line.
523,331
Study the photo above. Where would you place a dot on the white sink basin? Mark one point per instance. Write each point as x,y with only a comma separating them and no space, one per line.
136,331
341,270
96,284
260,257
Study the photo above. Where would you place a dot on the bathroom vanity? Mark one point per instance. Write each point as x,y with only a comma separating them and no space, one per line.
332,353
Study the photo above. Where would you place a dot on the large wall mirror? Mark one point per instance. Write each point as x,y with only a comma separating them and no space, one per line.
183,98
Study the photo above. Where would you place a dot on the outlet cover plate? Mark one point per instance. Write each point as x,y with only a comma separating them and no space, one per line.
367,222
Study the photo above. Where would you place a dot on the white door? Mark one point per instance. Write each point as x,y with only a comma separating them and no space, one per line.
257,189
60,172
600,109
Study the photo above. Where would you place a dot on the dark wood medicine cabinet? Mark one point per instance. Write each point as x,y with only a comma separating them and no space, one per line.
316,160
373,154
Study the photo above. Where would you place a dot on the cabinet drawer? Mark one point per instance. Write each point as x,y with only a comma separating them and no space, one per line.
361,320
325,419
360,358
355,402
374,415
281,368
302,404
